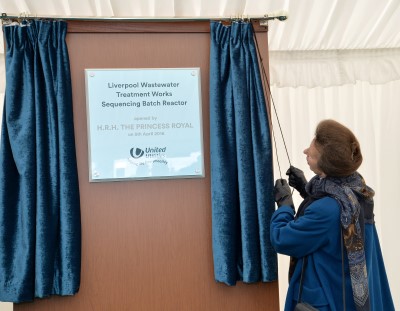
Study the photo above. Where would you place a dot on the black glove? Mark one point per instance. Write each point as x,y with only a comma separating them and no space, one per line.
283,195
297,180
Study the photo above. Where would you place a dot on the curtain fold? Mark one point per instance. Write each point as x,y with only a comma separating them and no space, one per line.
329,68
40,229
241,159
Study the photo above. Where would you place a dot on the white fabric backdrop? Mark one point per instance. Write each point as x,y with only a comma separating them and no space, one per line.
3,306
334,67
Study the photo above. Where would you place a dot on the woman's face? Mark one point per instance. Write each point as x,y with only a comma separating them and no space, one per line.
313,156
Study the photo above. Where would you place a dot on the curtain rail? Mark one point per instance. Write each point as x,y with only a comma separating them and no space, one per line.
263,19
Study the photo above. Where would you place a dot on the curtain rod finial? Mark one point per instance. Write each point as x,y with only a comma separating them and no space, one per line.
279,15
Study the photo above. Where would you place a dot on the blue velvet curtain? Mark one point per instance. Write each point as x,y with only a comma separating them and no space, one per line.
40,230
241,159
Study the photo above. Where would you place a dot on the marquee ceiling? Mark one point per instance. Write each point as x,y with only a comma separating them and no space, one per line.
311,24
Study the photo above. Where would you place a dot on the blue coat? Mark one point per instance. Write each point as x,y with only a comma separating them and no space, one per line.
317,235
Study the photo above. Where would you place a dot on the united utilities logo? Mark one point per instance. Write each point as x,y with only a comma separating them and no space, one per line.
136,153
148,152
156,150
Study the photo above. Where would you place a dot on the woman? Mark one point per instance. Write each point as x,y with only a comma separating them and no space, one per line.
337,206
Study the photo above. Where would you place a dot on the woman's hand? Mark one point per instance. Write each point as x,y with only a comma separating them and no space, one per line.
297,180
283,195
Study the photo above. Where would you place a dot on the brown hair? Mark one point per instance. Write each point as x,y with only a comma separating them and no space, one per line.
340,150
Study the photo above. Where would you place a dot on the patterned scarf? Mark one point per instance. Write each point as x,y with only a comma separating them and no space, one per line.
345,191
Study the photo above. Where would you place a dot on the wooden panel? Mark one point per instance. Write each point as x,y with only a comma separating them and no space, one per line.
146,245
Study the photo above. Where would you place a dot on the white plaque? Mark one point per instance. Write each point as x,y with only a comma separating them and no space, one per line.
144,123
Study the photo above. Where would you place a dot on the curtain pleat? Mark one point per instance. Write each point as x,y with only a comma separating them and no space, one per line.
329,68
40,229
241,159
